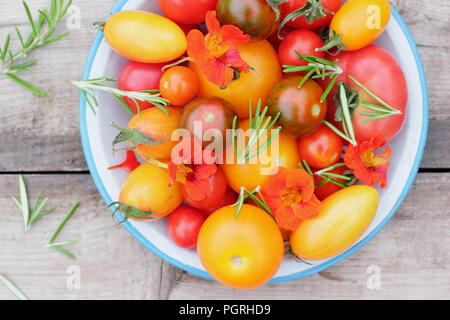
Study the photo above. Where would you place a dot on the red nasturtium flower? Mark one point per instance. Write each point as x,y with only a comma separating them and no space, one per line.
216,54
193,170
290,196
131,162
368,166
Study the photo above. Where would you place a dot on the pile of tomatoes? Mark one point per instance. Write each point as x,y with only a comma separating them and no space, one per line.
239,243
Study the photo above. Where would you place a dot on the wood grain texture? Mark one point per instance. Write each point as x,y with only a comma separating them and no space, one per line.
411,251
42,134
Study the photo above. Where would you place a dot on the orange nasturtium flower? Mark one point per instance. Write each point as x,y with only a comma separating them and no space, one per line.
193,170
216,54
368,166
290,196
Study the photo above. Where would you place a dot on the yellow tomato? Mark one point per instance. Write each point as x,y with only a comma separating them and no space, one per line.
155,123
342,220
242,252
145,37
250,175
251,86
147,189
361,22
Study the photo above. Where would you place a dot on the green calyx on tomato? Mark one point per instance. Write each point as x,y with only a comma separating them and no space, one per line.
131,212
134,136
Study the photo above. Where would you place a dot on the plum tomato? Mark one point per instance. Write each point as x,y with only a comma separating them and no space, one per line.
187,12
184,225
179,85
212,113
323,191
254,17
229,199
301,22
304,42
136,76
300,108
322,148
218,187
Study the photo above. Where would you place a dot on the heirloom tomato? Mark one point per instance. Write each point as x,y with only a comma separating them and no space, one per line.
254,17
137,76
361,22
377,70
321,148
145,37
242,252
212,113
328,7
157,124
147,189
229,199
251,86
301,109
187,11
342,220
179,85
256,172
184,226
322,190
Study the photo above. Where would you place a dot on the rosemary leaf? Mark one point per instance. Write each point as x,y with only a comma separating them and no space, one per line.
27,85
63,223
65,252
13,288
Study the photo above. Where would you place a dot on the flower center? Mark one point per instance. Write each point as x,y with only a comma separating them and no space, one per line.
291,197
184,173
370,160
216,46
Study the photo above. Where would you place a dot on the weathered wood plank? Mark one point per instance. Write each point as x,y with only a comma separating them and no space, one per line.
412,252
42,134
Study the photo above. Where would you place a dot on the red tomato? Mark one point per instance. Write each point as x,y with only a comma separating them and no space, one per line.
329,188
321,148
187,12
138,76
184,225
303,41
218,185
188,27
376,69
229,199
301,22
179,85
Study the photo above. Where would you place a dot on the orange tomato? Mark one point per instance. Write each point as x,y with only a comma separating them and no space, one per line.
342,220
179,85
145,37
250,175
147,188
242,252
251,86
158,125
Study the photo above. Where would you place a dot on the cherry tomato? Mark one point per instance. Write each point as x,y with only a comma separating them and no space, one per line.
184,225
229,199
137,76
301,110
187,12
322,148
254,17
326,190
211,113
179,85
304,42
242,252
301,22
361,22
218,187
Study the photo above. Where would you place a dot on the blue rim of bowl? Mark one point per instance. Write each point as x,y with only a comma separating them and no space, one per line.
150,246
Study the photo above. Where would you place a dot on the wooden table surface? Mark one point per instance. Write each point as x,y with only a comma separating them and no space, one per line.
40,138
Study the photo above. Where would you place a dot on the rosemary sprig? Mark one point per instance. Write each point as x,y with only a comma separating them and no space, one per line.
333,41
256,196
317,68
331,177
259,127
12,287
130,212
349,133
88,87
33,216
134,136
42,33
57,246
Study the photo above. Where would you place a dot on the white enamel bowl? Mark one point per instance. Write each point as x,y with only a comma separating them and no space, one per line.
97,136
